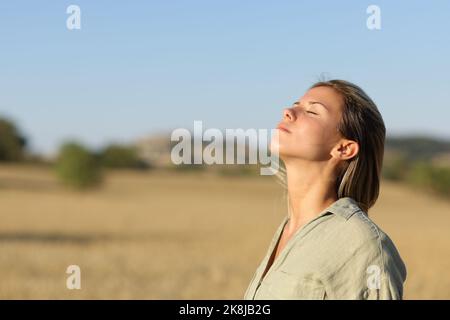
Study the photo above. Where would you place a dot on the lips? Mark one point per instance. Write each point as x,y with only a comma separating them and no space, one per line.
283,128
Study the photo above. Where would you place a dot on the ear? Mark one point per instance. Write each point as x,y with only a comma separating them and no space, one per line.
345,150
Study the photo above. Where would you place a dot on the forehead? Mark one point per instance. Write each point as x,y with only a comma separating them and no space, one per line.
326,95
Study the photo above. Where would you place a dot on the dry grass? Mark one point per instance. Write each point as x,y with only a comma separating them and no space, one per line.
162,235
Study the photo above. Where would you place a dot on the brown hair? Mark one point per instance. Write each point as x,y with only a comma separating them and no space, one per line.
361,122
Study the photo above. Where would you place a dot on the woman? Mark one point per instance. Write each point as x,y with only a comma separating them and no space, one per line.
331,142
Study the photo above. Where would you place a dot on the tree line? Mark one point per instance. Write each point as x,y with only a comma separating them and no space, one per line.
409,159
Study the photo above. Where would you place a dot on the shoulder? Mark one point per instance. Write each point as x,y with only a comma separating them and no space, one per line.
361,241
353,226
379,244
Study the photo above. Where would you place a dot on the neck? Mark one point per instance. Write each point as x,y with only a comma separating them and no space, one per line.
311,189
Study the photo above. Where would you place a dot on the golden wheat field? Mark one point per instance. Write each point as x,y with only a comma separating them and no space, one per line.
165,235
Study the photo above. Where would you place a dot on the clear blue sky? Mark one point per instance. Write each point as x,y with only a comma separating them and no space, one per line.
138,67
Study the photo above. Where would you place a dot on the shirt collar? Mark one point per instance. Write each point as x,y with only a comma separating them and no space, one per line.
344,207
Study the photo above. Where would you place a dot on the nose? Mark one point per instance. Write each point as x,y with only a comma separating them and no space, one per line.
289,115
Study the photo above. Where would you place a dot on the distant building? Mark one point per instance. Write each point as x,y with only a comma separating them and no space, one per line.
155,150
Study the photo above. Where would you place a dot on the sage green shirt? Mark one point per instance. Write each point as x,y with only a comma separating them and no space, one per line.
341,254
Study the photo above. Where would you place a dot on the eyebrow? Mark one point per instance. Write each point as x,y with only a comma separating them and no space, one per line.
296,103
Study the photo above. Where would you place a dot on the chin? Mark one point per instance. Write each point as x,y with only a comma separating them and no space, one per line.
287,153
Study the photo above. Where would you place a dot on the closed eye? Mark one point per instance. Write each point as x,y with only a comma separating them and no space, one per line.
311,112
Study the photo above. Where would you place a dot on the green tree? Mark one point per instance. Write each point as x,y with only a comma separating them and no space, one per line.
396,167
441,180
77,167
12,143
420,174
121,156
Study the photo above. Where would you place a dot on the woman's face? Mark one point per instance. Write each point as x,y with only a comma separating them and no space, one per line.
308,129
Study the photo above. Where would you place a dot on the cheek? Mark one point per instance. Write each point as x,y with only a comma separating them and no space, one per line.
320,133
311,132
